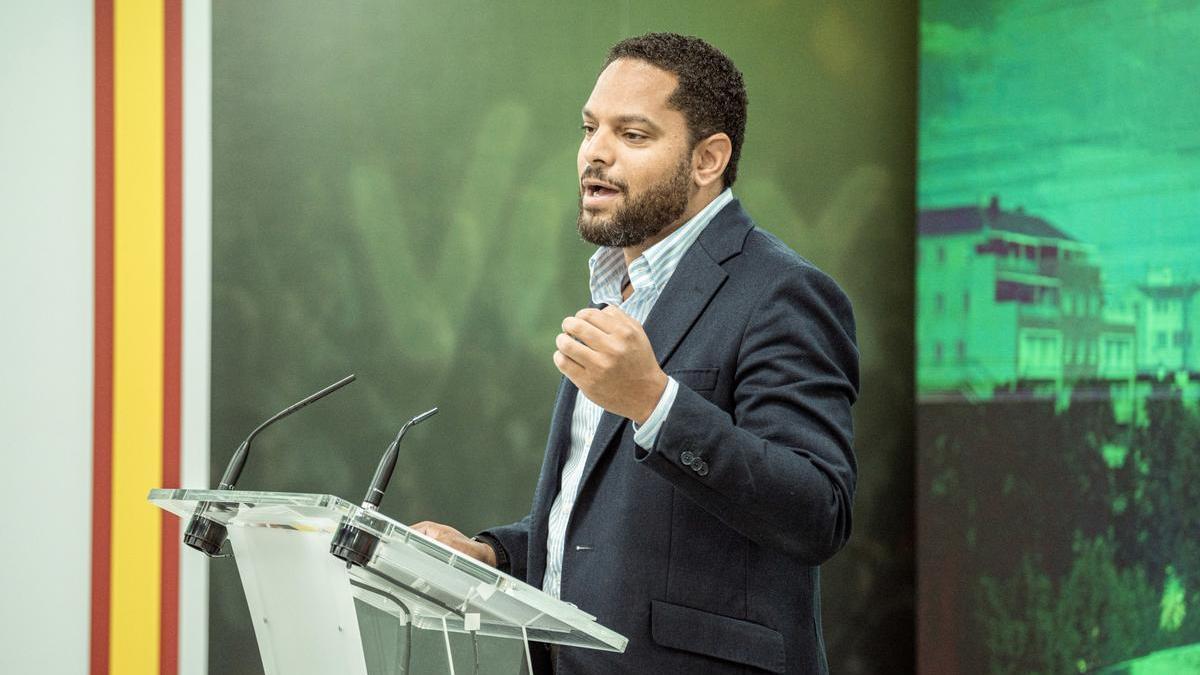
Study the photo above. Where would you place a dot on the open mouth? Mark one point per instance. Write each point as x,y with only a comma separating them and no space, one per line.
599,191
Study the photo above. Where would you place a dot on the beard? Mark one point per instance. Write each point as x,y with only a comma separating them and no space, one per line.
641,216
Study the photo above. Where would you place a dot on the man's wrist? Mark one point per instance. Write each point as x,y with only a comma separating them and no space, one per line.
646,434
499,557
648,410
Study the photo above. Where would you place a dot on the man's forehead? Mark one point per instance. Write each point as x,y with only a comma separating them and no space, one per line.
629,87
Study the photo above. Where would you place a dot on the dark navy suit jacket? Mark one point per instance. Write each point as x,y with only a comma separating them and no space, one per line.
704,550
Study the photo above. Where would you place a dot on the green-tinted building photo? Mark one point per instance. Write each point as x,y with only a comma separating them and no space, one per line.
1057,292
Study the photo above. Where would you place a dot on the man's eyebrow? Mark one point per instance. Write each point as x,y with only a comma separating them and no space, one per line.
625,120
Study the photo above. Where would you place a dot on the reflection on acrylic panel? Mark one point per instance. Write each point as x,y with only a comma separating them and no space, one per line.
1058,337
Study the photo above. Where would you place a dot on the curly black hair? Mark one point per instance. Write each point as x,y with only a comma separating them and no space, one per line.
710,93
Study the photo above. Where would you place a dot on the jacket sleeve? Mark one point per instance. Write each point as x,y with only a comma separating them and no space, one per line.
515,540
780,468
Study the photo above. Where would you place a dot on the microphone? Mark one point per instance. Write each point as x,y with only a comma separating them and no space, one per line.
207,535
238,461
355,545
383,472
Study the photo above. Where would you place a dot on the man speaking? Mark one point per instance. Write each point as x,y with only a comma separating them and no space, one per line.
699,466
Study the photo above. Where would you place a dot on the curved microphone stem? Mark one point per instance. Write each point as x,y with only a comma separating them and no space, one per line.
383,472
207,535
238,461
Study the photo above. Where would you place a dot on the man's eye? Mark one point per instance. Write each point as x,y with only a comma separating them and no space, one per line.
634,136
587,129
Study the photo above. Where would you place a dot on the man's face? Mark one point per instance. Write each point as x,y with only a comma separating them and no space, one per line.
635,164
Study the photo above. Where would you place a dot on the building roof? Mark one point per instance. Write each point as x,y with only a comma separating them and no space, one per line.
1182,291
973,218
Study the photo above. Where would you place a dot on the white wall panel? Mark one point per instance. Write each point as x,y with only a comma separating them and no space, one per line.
197,285
46,234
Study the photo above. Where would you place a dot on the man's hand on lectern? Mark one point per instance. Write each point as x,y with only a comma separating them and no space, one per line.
457,541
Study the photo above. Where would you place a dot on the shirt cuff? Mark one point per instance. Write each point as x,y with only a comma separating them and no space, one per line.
647,433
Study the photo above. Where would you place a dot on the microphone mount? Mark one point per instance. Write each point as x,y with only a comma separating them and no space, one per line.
354,544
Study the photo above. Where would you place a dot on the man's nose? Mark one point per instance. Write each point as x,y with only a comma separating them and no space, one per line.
598,149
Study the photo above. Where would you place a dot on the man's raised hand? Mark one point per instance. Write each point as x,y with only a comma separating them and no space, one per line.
607,355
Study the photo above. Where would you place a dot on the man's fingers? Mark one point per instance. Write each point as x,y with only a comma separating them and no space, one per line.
431,529
605,322
568,367
613,321
566,363
585,332
455,540
574,350
581,329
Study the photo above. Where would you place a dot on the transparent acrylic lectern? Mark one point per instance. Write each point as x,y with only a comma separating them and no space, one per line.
313,613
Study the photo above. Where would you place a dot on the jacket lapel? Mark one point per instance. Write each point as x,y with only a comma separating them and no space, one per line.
694,283
557,444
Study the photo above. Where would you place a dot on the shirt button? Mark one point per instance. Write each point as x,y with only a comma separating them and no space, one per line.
687,457
701,467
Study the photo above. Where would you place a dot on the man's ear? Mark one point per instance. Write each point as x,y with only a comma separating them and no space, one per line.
710,157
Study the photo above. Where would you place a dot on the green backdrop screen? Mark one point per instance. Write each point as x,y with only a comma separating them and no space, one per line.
394,194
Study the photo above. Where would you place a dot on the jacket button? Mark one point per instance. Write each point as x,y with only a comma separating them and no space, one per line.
687,457
701,467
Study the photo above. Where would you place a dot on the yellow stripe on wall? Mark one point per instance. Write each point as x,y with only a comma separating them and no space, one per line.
138,335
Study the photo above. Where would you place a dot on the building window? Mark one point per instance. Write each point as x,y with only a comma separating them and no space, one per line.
966,302
962,350
941,256
939,303
1183,338
937,352
1160,339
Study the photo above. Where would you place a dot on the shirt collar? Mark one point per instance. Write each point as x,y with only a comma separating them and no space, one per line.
654,267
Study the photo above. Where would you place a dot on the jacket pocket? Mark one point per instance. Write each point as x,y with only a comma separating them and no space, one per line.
696,379
721,637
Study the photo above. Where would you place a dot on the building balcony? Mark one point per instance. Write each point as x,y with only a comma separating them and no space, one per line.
1040,312
1044,267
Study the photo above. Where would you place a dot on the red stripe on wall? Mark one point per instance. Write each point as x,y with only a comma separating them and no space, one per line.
173,320
102,376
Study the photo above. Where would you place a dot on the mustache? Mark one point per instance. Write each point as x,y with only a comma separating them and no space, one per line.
592,172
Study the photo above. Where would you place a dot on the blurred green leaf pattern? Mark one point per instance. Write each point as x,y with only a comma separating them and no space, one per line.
394,194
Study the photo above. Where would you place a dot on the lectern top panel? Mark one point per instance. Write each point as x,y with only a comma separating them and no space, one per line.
410,575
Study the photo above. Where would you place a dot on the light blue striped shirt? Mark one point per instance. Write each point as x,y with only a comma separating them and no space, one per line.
648,274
